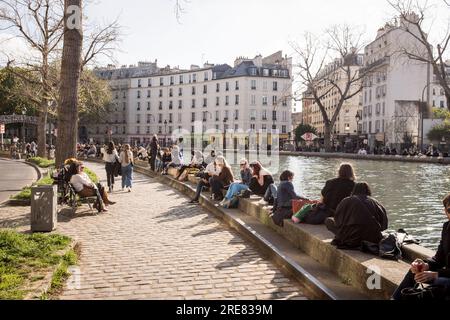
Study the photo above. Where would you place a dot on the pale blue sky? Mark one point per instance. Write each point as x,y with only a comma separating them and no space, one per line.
219,30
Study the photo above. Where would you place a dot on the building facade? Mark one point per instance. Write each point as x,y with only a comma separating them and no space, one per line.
253,95
346,127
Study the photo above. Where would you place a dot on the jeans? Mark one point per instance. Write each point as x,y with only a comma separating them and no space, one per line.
202,184
409,282
109,167
234,189
127,176
271,193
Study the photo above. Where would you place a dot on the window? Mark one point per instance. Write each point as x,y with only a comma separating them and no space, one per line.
193,117
264,127
148,106
206,76
217,87
252,115
236,127
170,92
139,83
253,84
148,130
264,115
441,104
227,100
274,100
194,78
160,117
180,104
124,106
160,93
226,115
275,86
171,80
193,103
227,86
170,118
237,85
253,100
284,116
179,117
236,101
138,130
170,105
180,92
148,118
236,114
217,101
370,126
265,72
159,130
160,105
149,84
274,115
205,102
377,126
384,104
217,116
283,129
181,79
265,85
252,71
205,89
161,81
138,106
139,94
252,127
378,109
264,101
148,94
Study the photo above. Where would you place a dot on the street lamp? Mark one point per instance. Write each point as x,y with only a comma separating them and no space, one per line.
224,135
358,120
24,111
165,133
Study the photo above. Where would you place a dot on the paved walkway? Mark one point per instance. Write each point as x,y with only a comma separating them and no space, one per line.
14,176
153,245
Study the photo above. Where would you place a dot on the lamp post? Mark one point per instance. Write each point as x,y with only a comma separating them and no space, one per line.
358,120
224,135
165,133
24,111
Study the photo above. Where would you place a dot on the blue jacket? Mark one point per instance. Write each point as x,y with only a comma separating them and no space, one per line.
286,194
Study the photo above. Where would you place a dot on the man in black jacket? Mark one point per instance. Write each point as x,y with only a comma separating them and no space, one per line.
436,270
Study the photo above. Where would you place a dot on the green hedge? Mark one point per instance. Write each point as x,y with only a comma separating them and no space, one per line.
42,162
25,258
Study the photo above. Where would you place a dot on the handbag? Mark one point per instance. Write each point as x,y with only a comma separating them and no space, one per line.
297,204
300,216
420,292
390,248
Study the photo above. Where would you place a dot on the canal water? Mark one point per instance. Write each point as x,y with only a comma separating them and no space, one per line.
412,193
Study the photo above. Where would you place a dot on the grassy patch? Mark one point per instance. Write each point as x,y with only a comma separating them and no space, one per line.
42,162
61,274
25,258
91,175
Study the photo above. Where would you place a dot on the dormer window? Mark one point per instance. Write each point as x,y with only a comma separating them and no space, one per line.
252,71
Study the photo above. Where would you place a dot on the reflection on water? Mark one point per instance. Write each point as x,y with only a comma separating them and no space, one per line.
412,193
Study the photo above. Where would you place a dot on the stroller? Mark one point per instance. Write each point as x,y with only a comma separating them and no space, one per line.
66,194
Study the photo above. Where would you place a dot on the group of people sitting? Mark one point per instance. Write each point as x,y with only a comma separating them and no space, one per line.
347,209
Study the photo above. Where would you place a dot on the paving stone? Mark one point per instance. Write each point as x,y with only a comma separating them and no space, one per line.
152,245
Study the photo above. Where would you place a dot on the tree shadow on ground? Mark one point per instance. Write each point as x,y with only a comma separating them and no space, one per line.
66,214
15,222
179,212
206,221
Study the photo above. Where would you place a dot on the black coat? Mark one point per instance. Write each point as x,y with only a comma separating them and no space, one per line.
335,191
441,261
358,219
260,190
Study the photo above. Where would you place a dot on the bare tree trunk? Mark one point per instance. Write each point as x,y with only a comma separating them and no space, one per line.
327,138
70,76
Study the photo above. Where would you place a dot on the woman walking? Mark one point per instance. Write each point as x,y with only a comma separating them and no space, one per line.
110,157
126,160
154,149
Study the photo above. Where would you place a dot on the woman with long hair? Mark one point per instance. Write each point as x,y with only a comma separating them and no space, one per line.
154,149
126,160
261,179
110,157
223,180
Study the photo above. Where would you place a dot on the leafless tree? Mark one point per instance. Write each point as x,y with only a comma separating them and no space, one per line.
416,15
331,66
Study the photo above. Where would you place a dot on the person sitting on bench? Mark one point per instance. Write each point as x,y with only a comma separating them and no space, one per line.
84,187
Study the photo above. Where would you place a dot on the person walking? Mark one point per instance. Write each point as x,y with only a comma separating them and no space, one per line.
154,149
110,157
126,160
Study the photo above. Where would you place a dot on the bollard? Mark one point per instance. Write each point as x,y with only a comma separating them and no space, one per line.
44,208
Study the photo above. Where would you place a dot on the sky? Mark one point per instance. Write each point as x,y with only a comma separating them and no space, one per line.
218,31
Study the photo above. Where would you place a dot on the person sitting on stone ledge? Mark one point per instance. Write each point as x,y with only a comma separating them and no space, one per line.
261,179
196,163
84,187
435,271
211,170
177,160
333,193
237,187
221,181
283,200
358,218
166,159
